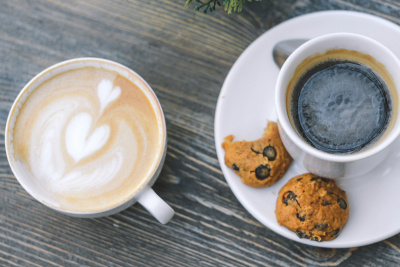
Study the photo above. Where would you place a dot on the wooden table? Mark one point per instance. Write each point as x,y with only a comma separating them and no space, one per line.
185,56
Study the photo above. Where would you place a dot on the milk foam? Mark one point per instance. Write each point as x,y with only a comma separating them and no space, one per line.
87,137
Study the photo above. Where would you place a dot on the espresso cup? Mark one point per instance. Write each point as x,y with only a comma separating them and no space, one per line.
87,138
337,104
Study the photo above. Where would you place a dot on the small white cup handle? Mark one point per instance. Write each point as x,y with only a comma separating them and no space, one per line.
155,205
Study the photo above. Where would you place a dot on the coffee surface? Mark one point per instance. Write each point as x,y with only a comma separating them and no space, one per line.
340,105
88,138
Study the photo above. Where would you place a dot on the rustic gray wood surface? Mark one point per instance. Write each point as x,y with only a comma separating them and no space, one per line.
185,56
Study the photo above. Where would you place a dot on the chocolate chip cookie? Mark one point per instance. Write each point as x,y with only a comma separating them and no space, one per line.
313,207
259,163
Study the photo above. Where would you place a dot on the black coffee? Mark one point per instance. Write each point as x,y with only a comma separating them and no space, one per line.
340,106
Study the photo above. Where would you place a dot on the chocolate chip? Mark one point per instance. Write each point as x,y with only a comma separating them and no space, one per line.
302,234
263,172
342,203
326,203
301,218
288,196
321,226
314,238
270,153
299,179
335,232
234,167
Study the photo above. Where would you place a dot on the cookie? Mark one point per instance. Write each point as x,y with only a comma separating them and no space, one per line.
259,163
313,207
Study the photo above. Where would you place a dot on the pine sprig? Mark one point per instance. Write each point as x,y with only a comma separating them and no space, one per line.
206,6
209,5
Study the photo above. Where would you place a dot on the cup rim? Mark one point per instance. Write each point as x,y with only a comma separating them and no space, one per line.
281,109
155,104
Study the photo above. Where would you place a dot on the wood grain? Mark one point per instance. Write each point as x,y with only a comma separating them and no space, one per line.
185,56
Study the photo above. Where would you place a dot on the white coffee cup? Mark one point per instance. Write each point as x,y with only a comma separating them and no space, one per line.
143,193
307,156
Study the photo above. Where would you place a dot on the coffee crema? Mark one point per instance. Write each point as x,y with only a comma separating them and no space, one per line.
340,101
88,139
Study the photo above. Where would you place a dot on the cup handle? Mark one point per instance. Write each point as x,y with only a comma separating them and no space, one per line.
155,205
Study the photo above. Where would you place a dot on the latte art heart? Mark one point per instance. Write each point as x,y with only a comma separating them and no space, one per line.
107,93
88,138
78,142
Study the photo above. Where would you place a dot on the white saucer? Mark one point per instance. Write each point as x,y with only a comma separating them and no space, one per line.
246,103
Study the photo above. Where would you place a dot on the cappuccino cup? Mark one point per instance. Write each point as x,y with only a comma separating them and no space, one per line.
337,100
87,138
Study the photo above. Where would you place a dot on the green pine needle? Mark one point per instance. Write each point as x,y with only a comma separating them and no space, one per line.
209,5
